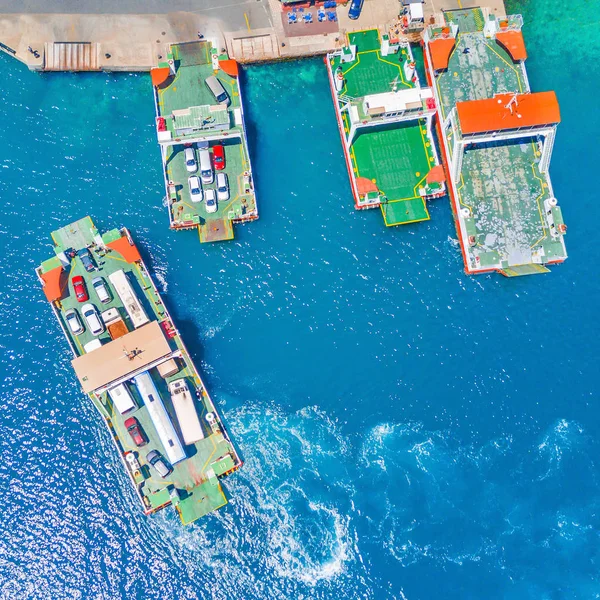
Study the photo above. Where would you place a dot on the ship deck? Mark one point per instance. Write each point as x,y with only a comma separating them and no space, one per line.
500,182
396,157
194,63
195,478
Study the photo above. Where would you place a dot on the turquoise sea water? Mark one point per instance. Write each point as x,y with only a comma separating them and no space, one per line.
408,431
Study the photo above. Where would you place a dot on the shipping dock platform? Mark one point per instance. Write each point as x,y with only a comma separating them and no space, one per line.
497,137
132,363
193,115
385,118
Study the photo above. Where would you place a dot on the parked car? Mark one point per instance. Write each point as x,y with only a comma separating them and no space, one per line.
86,259
136,432
159,463
101,290
80,289
92,318
195,188
222,186
355,8
73,321
206,169
211,201
219,157
190,160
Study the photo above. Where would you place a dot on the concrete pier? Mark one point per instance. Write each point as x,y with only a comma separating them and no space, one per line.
121,39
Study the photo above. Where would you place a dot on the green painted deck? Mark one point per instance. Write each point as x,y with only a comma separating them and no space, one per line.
395,157
185,90
467,20
505,191
372,73
198,489
240,203
500,183
397,160
485,70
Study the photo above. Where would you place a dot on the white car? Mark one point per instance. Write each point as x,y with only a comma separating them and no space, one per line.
195,188
73,321
92,318
99,286
222,186
211,201
190,160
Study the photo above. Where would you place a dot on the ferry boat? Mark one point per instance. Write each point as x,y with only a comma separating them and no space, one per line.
497,138
202,137
131,362
385,117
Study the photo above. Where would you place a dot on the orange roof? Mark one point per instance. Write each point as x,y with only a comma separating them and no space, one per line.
159,75
513,43
230,67
365,186
55,283
441,49
492,114
126,249
436,175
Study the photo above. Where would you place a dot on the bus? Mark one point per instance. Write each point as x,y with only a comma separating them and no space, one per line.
187,416
160,417
128,298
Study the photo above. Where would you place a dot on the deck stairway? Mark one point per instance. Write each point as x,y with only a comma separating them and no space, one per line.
71,56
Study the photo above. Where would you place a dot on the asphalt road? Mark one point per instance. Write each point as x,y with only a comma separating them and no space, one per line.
230,12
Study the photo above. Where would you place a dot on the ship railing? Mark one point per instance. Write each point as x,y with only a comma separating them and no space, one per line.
511,23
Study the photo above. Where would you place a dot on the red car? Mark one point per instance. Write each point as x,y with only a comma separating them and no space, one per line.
219,157
79,287
136,432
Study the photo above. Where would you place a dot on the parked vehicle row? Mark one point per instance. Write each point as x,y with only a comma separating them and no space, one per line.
90,313
205,161
154,457
207,176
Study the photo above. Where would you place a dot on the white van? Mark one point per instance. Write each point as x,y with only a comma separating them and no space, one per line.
122,399
222,186
217,90
206,170
190,160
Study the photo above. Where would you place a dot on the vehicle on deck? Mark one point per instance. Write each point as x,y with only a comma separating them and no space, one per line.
206,170
195,188
190,160
217,90
155,459
80,290
74,322
86,259
92,318
101,290
355,8
222,186
122,399
136,432
219,157
211,201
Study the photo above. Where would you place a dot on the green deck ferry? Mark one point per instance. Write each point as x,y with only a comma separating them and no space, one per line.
202,137
385,118
130,360
497,137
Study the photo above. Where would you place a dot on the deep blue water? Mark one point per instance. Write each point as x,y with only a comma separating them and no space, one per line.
408,431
